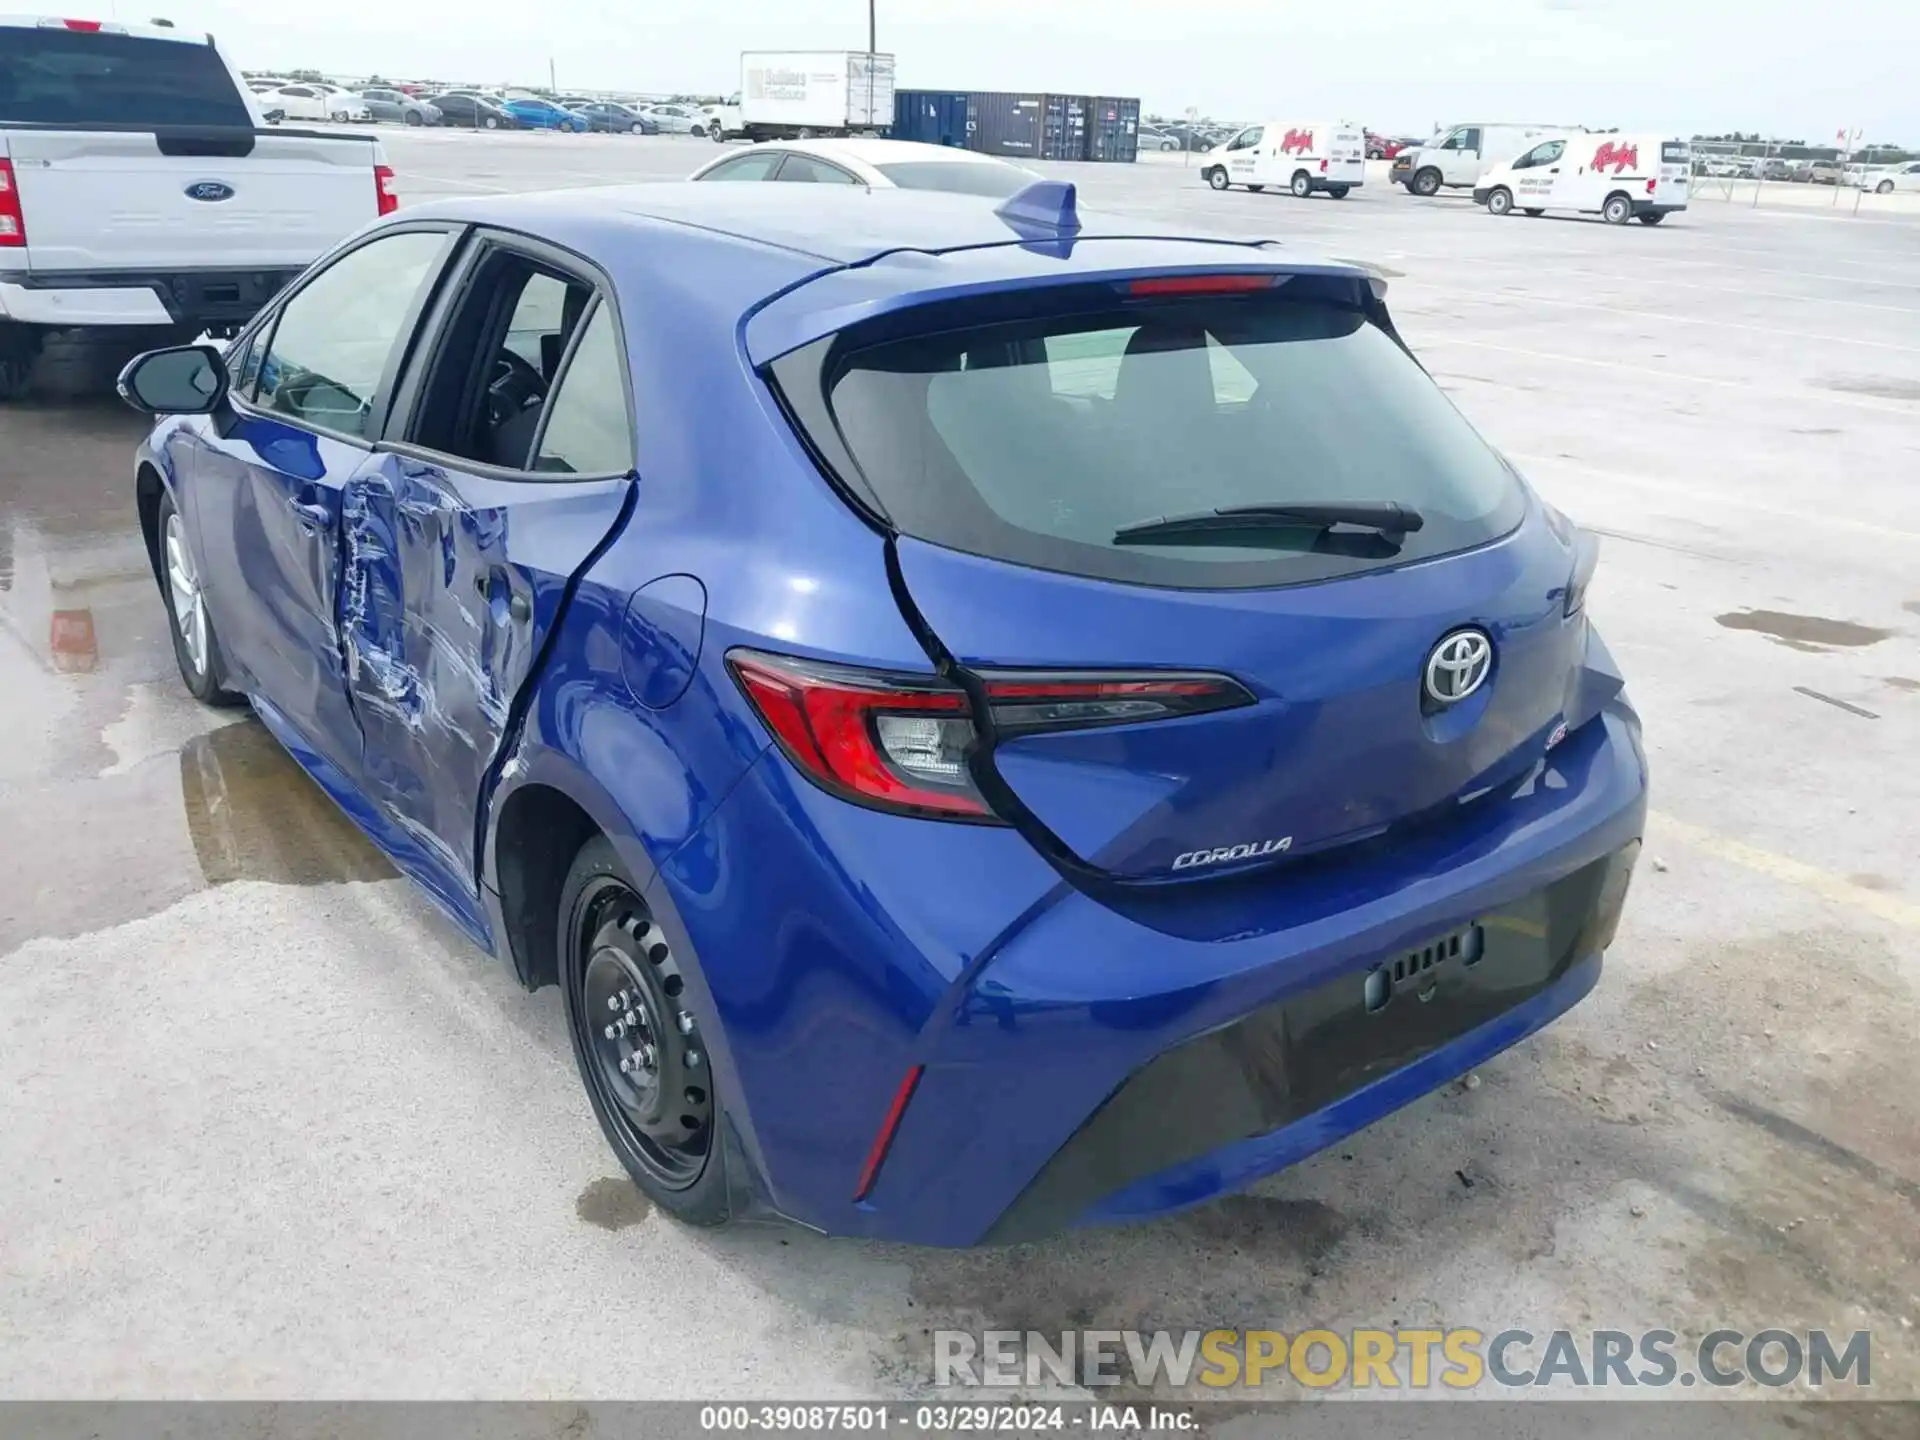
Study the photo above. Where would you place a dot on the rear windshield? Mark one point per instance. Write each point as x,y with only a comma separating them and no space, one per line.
1037,441
960,177
71,77
1674,152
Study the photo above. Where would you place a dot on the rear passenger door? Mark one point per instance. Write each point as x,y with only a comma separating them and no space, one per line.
507,466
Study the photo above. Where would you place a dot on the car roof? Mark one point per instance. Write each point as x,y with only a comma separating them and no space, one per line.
761,257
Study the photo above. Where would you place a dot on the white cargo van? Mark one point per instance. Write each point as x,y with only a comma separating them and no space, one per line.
1298,155
1458,157
798,94
1618,177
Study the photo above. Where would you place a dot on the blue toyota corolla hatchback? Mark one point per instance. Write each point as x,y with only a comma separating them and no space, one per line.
994,721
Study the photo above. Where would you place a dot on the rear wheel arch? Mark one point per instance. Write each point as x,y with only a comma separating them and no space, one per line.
539,831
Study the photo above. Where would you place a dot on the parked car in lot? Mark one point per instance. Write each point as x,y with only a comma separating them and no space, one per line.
1151,139
677,119
1824,172
878,164
1895,177
609,117
1617,177
968,788
458,107
399,107
537,114
137,191
318,102
1379,147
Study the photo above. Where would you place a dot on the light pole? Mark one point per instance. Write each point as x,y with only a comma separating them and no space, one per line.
871,47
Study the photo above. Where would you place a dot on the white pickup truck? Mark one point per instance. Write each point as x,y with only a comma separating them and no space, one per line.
140,187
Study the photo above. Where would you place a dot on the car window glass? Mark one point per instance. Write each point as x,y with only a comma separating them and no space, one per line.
333,339
746,167
808,171
586,431
538,315
1470,140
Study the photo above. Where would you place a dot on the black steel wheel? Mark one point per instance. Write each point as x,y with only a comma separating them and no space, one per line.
640,1050
1426,183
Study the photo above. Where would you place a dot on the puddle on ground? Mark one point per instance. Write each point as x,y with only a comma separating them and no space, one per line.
612,1203
1901,682
253,814
1802,632
1886,387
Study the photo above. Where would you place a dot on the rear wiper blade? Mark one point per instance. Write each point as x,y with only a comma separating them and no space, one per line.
1387,516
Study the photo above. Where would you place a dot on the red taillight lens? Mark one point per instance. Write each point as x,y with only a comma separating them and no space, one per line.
13,220
1202,284
1323,167
90,27
1649,187
385,189
902,742
896,742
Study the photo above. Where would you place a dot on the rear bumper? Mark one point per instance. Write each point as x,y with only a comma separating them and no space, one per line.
1064,1040
77,299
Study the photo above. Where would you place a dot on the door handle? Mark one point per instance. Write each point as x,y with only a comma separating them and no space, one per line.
1554,171
310,517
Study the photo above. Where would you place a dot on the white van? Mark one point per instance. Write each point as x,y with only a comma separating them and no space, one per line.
1298,155
1458,157
1618,177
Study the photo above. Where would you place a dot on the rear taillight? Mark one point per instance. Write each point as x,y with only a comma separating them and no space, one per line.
903,742
1650,187
385,189
13,220
1323,167
1202,284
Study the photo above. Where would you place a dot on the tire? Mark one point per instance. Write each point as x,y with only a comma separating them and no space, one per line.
19,348
803,134
1536,213
413,117
1301,185
1217,178
1652,217
1500,201
637,128
492,122
1425,183
1338,192
1256,189
612,956
719,133
1885,187
196,648
1618,209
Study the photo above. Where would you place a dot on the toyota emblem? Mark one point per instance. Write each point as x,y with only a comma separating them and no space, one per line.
1458,666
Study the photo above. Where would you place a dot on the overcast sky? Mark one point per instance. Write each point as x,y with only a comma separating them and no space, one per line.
1798,70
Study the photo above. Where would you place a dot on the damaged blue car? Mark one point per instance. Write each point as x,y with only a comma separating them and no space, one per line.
993,720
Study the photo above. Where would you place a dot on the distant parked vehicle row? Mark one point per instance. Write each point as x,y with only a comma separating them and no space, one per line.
399,107
315,102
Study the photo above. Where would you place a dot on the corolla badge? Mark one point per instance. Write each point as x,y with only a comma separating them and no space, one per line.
1221,854
209,190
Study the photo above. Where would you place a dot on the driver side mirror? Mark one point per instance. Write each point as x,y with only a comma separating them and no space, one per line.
180,380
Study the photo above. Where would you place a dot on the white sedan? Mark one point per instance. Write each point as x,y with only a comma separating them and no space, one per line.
1893,177
879,164
316,102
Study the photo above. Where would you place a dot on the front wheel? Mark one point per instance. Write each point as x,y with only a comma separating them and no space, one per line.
196,648
1500,202
718,131
413,118
1885,187
1617,211
1426,183
640,1050
1217,178
492,122
1652,217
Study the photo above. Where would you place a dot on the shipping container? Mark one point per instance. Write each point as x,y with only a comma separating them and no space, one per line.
1001,122
1113,129
1063,134
932,117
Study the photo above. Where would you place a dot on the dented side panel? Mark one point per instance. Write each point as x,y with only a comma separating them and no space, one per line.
451,585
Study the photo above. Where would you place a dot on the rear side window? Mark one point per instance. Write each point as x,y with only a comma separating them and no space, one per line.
959,177
586,432
1674,152
72,77
1039,441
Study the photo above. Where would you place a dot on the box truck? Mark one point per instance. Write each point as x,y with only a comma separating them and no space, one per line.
798,94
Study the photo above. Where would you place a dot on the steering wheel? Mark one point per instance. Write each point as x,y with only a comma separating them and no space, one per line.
515,386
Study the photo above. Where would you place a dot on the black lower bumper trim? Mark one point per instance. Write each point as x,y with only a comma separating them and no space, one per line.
1291,1059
